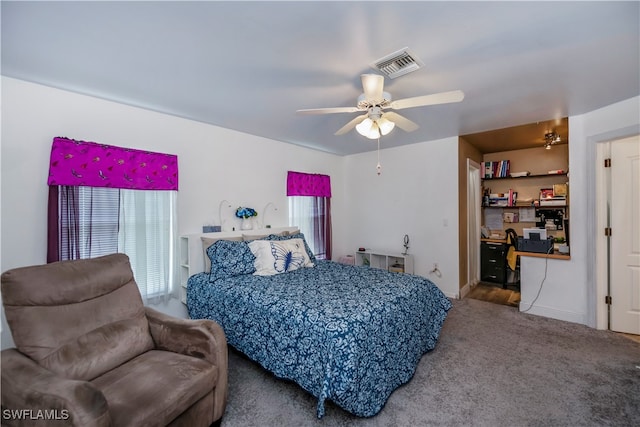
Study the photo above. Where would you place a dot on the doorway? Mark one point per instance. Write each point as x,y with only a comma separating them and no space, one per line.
474,202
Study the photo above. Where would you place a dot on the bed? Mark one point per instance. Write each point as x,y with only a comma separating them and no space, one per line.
349,334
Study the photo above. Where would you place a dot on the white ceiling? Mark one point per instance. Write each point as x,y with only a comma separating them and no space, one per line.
249,66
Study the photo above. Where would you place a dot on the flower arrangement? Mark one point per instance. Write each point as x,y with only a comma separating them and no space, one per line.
245,212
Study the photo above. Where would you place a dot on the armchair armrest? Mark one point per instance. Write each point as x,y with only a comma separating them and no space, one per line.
31,392
201,338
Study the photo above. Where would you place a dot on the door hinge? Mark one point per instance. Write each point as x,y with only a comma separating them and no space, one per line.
607,231
607,163
607,299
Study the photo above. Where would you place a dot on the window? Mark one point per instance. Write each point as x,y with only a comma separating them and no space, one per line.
311,215
310,209
140,223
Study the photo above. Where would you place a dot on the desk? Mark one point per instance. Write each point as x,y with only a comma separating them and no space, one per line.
553,255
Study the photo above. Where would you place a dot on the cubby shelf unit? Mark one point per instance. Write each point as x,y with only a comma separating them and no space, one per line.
399,263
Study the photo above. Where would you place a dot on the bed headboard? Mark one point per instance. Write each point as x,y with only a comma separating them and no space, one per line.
192,253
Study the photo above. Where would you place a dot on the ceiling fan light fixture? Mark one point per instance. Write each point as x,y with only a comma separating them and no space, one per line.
374,133
368,128
364,127
385,125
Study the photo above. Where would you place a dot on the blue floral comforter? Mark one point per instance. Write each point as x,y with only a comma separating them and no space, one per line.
346,333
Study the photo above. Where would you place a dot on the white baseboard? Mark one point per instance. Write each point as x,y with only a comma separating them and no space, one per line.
452,295
553,313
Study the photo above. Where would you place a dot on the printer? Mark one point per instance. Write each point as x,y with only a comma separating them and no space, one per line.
535,240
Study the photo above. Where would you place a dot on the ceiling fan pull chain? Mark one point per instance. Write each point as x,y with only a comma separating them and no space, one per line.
378,167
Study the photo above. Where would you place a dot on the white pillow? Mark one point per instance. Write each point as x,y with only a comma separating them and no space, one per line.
279,256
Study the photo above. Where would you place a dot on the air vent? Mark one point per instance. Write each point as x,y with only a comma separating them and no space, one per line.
398,63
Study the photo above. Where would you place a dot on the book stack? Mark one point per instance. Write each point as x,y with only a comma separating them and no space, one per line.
499,169
503,199
498,200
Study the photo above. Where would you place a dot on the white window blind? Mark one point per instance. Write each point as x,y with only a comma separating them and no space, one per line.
147,234
301,216
92,230
99,217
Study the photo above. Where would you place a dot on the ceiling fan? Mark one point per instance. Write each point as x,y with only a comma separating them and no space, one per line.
375,122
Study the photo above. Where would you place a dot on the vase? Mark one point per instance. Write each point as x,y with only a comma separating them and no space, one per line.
247,224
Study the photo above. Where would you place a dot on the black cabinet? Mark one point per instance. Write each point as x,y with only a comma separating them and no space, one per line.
493,262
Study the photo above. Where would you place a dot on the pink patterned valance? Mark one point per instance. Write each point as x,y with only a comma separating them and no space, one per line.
81,163
307,184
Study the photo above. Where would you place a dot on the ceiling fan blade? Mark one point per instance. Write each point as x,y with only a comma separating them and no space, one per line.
402,122
436,98
353,123
329,110
372,85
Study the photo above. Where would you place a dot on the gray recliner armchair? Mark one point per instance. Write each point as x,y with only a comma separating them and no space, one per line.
89,353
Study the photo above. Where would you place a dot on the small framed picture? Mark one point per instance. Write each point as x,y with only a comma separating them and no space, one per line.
560,190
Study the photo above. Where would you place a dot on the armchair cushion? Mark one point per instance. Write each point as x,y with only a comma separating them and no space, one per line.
155,387
87,320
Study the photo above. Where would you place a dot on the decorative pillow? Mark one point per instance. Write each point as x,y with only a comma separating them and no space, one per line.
298,235
230,259
208,241
274,257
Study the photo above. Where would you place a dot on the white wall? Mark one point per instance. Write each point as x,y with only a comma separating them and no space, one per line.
416,194
214,163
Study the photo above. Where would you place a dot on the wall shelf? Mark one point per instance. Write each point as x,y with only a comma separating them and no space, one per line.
532,206
544,175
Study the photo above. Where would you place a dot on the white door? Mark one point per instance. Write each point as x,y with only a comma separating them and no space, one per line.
625,236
